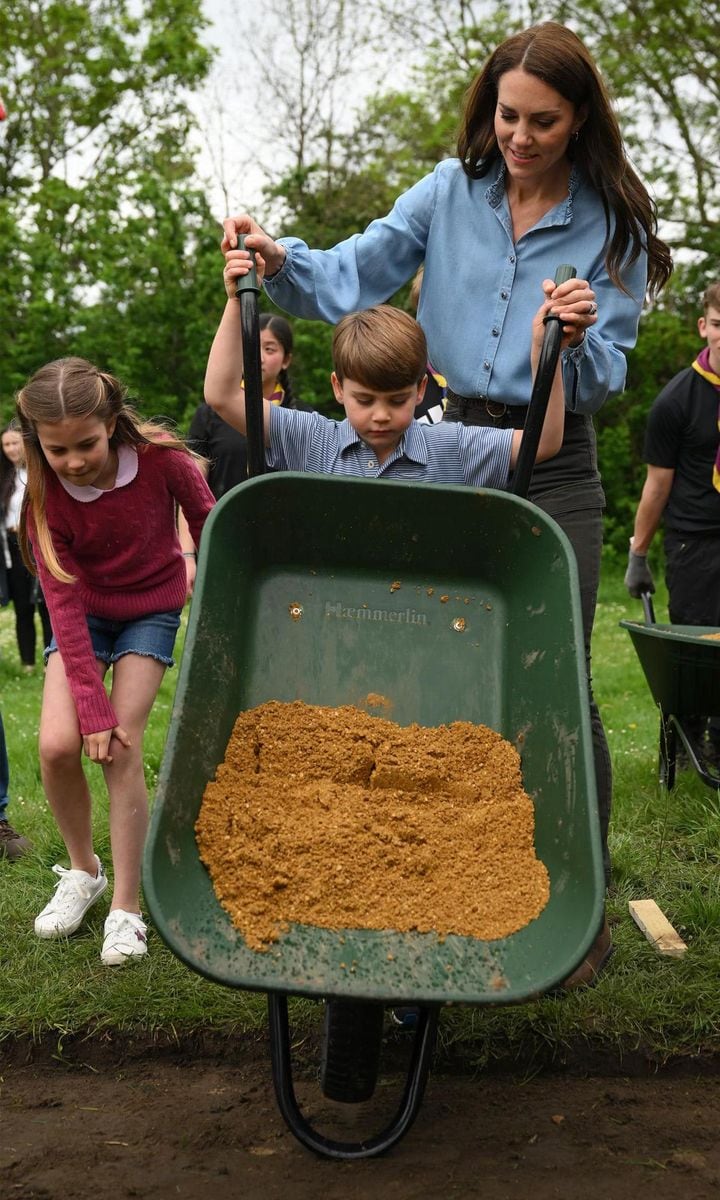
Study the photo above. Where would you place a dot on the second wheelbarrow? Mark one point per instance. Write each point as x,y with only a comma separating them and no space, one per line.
681,664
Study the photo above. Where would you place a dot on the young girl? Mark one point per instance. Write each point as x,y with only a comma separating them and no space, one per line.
276,351
99,519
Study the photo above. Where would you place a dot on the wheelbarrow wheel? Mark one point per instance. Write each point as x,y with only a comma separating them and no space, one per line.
352,1039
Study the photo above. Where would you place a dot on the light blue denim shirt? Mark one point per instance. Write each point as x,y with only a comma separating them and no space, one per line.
480,289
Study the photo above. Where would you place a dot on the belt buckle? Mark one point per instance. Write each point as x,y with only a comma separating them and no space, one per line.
495,410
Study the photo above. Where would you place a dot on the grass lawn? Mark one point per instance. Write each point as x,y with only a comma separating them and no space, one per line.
664,846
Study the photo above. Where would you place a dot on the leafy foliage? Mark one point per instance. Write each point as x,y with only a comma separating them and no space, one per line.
106,239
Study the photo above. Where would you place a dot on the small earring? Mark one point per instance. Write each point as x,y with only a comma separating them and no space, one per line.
575,135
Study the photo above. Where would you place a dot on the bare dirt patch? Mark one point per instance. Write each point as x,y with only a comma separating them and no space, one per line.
111,1120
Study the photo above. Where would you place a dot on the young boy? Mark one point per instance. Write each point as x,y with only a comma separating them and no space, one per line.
682,491
380,360
682,488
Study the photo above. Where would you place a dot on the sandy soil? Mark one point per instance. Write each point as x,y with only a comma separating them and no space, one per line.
104,1121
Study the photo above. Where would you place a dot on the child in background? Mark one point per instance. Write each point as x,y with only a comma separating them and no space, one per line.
21,587
99,521
276,351
222,446
380,360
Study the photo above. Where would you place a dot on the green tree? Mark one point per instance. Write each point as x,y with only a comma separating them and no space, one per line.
104,235
345,178
667,343
662,63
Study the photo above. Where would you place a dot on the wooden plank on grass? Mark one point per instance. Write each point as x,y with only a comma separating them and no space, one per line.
656,927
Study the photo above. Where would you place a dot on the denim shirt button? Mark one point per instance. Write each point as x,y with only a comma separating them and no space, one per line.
512,258
504,295
486,364
496,332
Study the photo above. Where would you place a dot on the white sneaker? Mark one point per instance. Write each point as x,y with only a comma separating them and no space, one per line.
75,892
125,938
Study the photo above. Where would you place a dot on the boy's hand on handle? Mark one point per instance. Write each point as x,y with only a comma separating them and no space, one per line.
574,302
638,577
273,254
237,264
97,745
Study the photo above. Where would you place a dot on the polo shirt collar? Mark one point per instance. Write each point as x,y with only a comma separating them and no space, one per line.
347,436
412,444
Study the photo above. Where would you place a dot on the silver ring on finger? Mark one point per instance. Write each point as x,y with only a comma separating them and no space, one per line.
592,309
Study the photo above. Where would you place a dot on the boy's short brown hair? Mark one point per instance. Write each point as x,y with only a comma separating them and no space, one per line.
711,297
383,348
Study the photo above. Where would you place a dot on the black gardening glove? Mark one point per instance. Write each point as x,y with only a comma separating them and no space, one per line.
638,577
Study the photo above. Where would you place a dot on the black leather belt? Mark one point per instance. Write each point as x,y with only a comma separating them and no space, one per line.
494,409
511,415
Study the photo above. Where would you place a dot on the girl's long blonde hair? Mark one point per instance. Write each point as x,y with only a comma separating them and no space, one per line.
72,387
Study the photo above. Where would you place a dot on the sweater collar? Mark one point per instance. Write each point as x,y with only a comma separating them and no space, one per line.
126,472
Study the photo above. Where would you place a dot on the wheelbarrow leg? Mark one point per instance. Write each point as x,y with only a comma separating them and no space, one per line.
423,1045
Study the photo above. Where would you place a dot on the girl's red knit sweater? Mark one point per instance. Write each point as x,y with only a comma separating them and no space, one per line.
124,552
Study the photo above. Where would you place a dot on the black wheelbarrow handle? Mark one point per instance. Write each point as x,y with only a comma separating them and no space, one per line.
542,387
247,290
648,608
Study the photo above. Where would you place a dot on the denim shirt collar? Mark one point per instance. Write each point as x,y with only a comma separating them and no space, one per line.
560,214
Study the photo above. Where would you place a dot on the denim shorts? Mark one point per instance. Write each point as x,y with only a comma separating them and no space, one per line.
152,636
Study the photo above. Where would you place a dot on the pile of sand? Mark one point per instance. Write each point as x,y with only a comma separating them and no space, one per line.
334,818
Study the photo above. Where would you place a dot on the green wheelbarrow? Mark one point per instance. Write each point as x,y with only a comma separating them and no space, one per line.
681,664
452,604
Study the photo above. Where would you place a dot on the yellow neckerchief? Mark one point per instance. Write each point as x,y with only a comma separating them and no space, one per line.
702,366
276,397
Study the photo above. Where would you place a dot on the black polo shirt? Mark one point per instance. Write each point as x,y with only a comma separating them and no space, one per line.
223,446
682,435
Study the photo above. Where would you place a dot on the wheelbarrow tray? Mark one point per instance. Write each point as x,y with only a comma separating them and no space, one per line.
681,666
452,604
